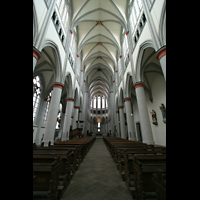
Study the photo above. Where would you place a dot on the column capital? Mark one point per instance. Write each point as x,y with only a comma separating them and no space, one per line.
117,111
127,99
70,99
59,85
121,107
76,107
36,53
138,84
161,52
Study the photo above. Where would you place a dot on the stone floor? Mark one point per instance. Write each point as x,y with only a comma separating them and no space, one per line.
97,178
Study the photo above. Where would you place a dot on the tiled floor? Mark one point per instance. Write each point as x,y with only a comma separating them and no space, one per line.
97,178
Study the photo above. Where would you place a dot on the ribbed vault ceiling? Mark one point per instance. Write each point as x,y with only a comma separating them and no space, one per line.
99,24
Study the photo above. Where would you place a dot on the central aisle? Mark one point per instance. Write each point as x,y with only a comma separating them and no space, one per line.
97,178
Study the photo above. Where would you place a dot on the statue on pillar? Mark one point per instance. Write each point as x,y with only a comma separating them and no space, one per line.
163,111
154,118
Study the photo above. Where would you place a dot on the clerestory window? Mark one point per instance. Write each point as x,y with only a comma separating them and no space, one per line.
62,8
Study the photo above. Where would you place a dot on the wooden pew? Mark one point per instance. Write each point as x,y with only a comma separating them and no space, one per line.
146,159
125,152
77,149
71,154
144,167
127,158
65,172
73,158
46,180
86,141
159,179
119,150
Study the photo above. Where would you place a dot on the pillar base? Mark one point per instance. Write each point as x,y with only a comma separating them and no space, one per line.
65,139
148,142
46,144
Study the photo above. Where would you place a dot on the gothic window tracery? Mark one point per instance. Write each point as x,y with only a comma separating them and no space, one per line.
36,95
48,100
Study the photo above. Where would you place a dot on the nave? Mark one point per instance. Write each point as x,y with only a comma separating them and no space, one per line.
82,169
97,178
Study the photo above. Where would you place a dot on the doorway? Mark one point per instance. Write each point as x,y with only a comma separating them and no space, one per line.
139,134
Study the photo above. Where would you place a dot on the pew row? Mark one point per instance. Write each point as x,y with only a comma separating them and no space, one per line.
137,164
70,154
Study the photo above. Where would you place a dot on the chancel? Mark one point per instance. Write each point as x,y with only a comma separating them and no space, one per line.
99,99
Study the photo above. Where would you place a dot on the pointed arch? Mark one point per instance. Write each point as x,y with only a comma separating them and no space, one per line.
57,58
127,91
143,46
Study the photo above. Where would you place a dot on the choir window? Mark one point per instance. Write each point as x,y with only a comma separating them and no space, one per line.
95,99
99,102
103,102
99,127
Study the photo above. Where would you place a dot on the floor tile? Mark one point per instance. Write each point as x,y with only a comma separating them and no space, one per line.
97,178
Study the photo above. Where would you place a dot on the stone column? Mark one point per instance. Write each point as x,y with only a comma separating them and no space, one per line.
122,122
52,115
67,119
129,119
75,117
40,115
143,113
161,56
112,111
36,57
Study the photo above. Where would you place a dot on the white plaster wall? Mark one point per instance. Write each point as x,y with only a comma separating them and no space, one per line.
145,35
34,133
156,13
53,35
41,11
158,87
41,133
